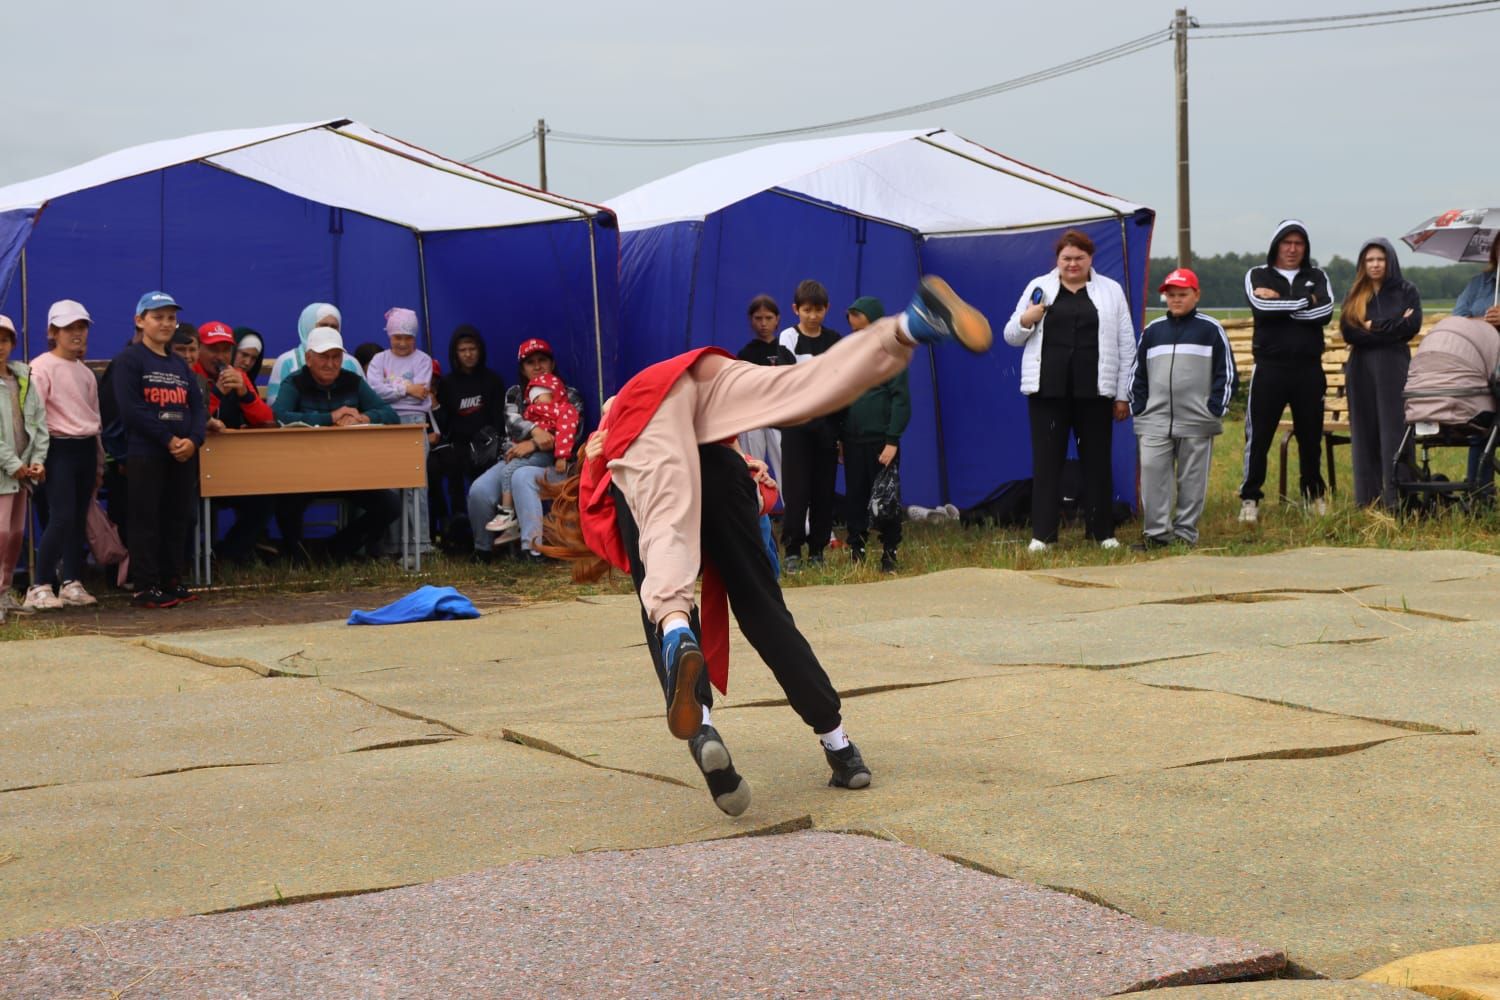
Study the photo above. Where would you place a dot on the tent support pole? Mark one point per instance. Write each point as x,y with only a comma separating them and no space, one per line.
422,280
598,331
25,313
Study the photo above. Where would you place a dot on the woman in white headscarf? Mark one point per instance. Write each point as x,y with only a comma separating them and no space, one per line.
315,315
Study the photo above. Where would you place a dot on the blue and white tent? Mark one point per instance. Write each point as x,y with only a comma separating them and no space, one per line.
868,215
248,226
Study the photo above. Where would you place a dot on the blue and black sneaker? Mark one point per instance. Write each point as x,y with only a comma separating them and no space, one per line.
730,791
684,661
937,314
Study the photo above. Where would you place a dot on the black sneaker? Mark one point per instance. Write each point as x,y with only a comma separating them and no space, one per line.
792,564
154,597
1150,543
180,592
937,314
730,791
849,770
888,561
684,661
856,554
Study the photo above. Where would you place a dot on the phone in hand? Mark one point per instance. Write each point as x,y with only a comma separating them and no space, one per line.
1036,296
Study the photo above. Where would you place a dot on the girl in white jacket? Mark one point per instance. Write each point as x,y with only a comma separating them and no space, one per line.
1075,327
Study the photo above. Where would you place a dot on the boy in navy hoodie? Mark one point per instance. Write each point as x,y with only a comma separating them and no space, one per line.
164,417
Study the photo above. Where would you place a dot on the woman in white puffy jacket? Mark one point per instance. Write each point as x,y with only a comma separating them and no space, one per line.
1074,324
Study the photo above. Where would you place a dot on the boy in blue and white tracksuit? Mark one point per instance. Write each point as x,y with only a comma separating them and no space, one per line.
1184,379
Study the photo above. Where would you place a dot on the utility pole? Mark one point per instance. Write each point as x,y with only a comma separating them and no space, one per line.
541,152
1180,25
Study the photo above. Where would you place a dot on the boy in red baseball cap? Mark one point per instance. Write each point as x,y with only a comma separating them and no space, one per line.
1184,379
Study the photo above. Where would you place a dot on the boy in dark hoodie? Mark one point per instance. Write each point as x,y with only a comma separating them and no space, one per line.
873,426
810,450
471,406
1291,301
165,417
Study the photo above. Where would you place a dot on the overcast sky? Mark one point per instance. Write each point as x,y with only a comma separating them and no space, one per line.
1346,130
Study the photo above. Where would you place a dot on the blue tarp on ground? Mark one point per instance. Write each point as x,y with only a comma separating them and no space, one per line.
685,283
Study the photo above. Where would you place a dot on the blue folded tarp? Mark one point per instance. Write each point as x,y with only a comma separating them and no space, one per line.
423,605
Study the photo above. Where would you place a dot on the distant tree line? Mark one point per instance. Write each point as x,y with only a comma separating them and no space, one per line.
1222,277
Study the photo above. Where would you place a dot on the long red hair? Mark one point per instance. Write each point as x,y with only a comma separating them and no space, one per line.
562,531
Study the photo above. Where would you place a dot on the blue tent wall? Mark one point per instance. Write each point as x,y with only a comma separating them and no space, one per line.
686,284
227,248
992,272
15,229
528,281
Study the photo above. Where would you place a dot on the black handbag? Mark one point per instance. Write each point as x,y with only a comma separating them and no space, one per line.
484,448
885,494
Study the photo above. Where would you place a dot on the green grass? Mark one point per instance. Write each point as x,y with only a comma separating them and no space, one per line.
930,547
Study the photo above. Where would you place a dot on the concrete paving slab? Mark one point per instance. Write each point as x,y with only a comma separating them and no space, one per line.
760,915
1133,635
1471,973
226,837
1327,569
1286,989
325,649
1346,862
271,721
80,670
1447,677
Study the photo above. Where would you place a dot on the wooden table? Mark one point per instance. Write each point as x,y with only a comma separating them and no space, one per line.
277,460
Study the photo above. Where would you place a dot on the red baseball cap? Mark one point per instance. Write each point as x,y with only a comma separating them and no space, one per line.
1180,278
536,345
215,332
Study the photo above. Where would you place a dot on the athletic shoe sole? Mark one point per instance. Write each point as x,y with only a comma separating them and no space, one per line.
713,760
683,714
968,324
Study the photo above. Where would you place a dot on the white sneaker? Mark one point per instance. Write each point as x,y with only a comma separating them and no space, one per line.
1110,543
1320,507
502,521
41,598
1249,511
950,512
73,595
508,535
915,513
1037,545
9,604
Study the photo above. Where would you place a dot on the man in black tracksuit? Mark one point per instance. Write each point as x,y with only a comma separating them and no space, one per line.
1291,301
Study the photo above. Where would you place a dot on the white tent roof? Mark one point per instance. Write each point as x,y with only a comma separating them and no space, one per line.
927,180
337,162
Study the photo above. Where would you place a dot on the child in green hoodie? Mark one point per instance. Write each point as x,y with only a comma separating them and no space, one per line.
23,454
872,441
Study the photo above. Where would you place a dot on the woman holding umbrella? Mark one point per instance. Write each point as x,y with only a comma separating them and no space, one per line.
1381,313
1480,298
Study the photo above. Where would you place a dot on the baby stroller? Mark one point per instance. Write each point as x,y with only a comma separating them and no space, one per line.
1450,403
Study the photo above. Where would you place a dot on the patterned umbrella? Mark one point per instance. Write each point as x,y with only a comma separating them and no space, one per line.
1464,234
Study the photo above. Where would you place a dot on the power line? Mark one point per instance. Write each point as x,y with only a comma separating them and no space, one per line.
1348,17
1099,58
1348,27
504,147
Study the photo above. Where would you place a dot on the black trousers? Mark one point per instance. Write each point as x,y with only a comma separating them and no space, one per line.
861,466
809,471
1275,385
731,540
68,488
449,472
162,490
378,510
1090,420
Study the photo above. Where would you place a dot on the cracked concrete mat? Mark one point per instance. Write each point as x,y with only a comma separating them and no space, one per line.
1327,569
1471,973
762,915
1346,862
1447,678
1139,634
80,670
328,649
214,839
274,721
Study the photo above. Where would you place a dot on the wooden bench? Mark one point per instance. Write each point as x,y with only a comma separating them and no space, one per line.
1335,400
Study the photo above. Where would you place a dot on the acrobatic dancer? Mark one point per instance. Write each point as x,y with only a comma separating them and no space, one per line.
659,496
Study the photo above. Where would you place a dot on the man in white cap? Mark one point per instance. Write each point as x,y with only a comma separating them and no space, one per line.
322,393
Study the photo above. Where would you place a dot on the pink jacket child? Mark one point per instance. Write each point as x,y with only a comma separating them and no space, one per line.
547,406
